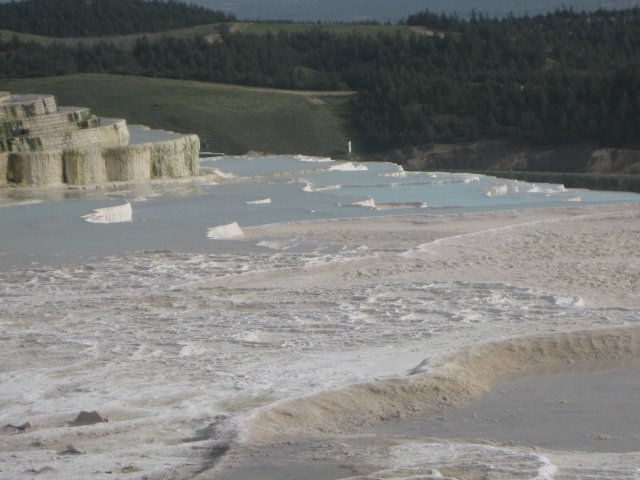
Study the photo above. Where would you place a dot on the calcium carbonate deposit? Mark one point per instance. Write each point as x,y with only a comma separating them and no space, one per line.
43,145
287,352
119,213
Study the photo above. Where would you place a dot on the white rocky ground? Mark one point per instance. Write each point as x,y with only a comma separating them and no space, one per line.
200,362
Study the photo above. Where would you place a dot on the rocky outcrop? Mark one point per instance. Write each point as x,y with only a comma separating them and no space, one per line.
42,145
502,156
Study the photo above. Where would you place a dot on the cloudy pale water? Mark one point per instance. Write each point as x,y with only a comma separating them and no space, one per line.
176,215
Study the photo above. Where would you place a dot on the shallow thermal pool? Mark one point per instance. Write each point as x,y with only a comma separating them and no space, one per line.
588,412
176,215
582,407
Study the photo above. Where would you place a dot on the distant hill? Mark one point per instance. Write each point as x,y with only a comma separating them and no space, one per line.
110,17
95,18
394,10
314,10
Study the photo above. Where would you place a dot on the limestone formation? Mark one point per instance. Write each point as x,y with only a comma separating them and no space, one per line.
43,145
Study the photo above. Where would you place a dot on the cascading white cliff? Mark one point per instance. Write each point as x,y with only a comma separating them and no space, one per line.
43,145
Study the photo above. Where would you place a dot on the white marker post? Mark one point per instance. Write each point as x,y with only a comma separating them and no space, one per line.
349,148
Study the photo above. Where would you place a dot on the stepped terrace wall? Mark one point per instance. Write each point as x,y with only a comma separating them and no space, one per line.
44,146
69,119
23,106
79,166
115,132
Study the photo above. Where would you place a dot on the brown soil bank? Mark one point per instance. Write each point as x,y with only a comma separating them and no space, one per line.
496,156
451,381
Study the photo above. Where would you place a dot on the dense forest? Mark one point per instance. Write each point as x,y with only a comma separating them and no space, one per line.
555,78
97,18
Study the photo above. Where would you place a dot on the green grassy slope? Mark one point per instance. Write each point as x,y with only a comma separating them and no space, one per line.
263,28
6,35
228,119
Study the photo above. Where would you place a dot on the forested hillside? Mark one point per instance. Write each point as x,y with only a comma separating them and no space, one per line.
91,18
562,77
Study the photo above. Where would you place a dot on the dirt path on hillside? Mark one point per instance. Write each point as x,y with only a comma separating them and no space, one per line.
309,93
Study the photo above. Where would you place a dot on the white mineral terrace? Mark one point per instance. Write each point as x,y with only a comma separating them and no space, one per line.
284,362
43,145
227,337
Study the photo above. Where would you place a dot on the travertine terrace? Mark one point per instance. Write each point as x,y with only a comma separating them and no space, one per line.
43,145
